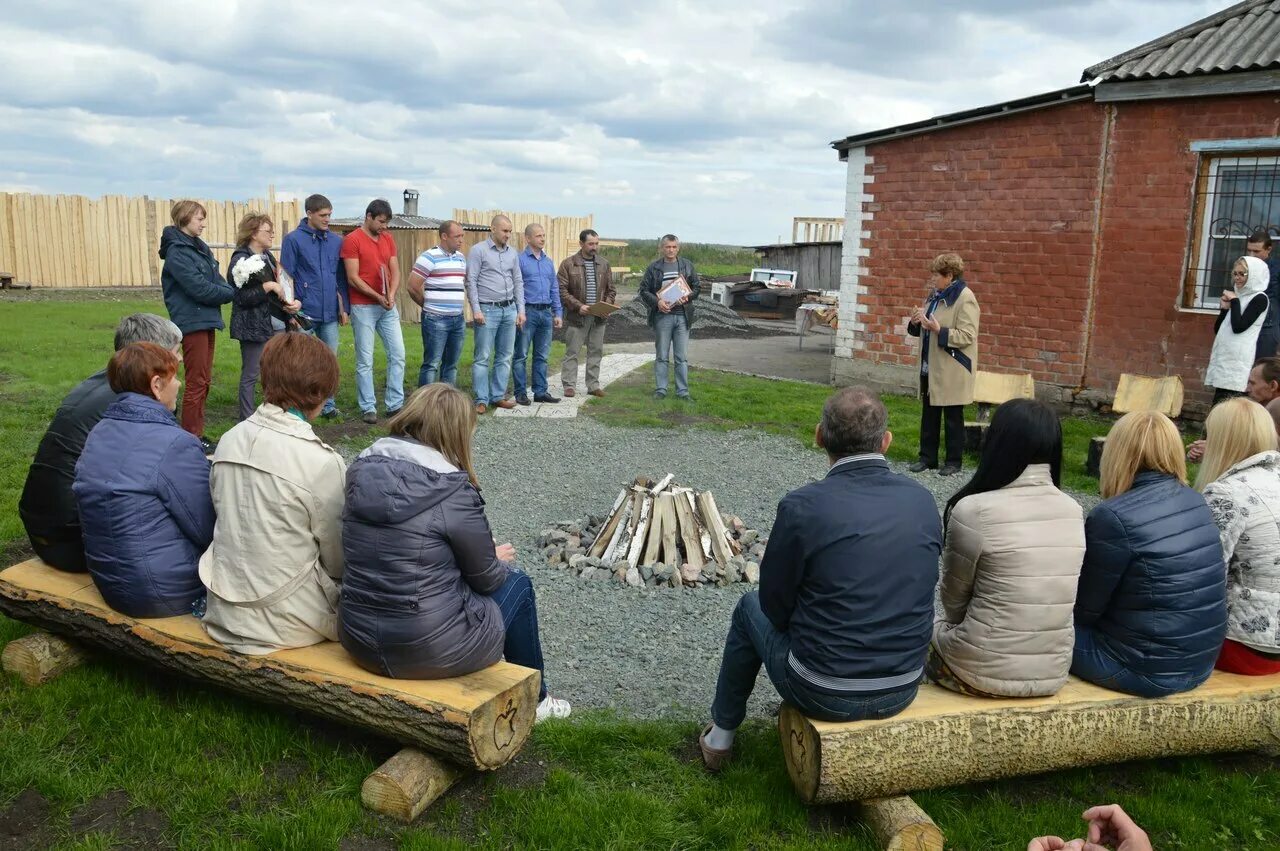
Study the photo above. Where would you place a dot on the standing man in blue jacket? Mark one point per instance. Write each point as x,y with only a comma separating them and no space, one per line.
542,314
844,614
310,255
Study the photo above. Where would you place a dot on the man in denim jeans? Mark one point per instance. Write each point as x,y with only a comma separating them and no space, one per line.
844,614
496,291
310,254
670,319
437,285
373,276
543,315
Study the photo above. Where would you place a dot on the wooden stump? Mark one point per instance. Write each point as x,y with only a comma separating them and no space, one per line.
974,435
39,657
405,785
900,825
1093,464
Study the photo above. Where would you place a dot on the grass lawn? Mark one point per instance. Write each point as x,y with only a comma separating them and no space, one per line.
114,753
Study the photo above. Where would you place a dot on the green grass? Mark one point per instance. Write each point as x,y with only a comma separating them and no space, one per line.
219,772
707,258
726,401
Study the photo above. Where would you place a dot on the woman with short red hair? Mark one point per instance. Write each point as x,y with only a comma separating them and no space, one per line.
276,558
142,486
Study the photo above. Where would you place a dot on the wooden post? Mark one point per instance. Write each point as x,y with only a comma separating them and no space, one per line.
670,552
715,525
405,785
39,657
900,825
688,531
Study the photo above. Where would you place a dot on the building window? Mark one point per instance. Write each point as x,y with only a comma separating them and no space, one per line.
1235,196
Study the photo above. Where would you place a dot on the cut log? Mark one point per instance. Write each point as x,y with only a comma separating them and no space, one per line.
704,537
638,539
481,720
946,739
40,657
619,530
405,785
900,825
637,502
670,551
688,531
662,485
653,542
607,529
715,525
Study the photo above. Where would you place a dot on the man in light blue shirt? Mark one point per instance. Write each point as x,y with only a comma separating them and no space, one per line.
542,314
496,291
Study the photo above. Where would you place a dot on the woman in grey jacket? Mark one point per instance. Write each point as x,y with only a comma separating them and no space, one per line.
426,593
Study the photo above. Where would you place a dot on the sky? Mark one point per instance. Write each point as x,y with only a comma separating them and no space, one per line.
710,119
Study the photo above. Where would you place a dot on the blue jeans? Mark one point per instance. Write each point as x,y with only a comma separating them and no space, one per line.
495,339
537,330
753,640
327,332
1091,661
520,617
442,338
366,319
673,336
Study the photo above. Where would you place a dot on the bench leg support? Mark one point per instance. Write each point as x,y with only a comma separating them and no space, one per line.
900,825
405,785
39,657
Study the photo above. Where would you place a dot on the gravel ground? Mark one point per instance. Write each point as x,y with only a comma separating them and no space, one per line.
645,652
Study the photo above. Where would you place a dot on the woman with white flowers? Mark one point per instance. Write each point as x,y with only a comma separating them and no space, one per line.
258,310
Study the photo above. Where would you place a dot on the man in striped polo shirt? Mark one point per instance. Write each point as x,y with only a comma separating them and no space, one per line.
437,286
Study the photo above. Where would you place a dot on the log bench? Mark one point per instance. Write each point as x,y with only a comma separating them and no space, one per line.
990,390
1138,393
476,722
945,739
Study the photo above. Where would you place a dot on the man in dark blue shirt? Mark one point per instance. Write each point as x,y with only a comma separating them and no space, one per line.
1260,245
542,314
844,614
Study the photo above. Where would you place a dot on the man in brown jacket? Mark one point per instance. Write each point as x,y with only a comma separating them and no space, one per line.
585,279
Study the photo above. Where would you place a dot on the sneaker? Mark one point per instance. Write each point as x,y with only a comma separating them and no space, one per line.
949,470
207,446
392,413
684,397
598,393
370,417
713,758
546,398
659,394
569,393
333,415
523,399
920,467
551,707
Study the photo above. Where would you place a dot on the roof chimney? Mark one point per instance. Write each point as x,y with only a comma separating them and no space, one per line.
411,202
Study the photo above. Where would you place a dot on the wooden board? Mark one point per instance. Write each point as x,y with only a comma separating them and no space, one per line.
946,739
688,530
1145,393
481,720
996,388
670,552
715,525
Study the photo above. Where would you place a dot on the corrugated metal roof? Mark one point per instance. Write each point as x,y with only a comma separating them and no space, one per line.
399,221
1243,37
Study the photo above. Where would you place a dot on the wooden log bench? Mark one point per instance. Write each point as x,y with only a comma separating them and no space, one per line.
1138,393
476,722
946,739
991,389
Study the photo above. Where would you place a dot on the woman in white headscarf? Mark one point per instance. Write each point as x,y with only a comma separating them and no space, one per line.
1233,347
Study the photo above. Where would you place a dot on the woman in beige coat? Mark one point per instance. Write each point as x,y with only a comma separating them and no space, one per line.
276,558
947,326
1010,565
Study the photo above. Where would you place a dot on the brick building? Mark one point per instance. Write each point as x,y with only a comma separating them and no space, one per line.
1098,223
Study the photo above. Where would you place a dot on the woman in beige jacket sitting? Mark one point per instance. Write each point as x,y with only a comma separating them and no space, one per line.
1010,565
276,558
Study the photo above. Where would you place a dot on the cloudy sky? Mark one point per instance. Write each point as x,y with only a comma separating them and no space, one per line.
711,118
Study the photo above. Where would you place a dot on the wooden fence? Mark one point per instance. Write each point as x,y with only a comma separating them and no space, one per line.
74,241
562,231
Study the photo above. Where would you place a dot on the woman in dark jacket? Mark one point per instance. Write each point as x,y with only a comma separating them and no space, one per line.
1151,610
426,594
258,311
142,487
193,293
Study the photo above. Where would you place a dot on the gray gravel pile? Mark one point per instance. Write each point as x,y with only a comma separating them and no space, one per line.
707,315
646,652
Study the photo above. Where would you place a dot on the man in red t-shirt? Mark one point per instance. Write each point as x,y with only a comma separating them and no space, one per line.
373,276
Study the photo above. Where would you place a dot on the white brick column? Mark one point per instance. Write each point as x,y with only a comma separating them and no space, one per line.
854,253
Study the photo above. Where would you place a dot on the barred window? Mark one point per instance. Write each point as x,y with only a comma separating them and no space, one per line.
1235,196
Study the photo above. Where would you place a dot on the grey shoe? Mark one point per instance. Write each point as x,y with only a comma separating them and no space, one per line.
949,469
370,417
659,394
918,467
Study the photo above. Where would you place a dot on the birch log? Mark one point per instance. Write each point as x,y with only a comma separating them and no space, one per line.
40,657
638,538
405,785
688,531
719,537
605,536
900,825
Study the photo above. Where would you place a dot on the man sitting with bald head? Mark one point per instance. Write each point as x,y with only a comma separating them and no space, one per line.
844,613
495,289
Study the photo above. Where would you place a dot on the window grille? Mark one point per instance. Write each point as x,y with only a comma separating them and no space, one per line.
1235,197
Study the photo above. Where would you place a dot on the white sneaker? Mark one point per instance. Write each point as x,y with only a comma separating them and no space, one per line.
551,707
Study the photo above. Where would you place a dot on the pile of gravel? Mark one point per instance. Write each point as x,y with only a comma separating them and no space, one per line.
708,315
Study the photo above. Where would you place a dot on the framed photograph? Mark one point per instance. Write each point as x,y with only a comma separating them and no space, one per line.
674,291
286,285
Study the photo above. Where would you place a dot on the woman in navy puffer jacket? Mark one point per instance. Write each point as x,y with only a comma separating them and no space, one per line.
1151,610
142,486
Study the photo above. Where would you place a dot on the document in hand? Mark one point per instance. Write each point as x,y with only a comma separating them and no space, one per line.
676,290
602,309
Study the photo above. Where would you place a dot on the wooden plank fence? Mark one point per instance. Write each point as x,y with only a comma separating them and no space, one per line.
112,241
562,231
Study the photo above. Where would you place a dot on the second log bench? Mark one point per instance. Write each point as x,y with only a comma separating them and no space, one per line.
990,390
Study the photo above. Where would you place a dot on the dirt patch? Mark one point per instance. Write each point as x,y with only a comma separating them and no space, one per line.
115,815
16,551
286,771
368,843
474,793
24,823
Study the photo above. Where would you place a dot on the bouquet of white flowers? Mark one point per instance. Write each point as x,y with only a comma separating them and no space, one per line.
247,268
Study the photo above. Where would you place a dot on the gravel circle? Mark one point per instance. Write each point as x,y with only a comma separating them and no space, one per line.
651,652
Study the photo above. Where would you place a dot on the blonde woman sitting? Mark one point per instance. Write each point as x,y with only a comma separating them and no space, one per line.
1151,609
1240,478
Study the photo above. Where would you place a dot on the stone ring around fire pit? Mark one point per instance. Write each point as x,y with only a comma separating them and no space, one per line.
658,534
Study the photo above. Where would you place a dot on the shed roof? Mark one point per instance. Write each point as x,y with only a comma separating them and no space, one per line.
1243,37
399,221
777,246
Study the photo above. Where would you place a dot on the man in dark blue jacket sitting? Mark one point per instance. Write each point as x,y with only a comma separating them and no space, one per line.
844,613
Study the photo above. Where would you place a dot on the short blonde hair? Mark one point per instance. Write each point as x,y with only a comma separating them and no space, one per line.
249,226
1236,429
442,417
183,211
1141,440
947,264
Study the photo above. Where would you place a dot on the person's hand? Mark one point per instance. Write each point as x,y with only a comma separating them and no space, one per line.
343,318
917,314
293,306
932,324
557,322
1111,826
478,318
1195,451
272,287
505,552
584,310
519,320
387,302
1054,843
664,305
